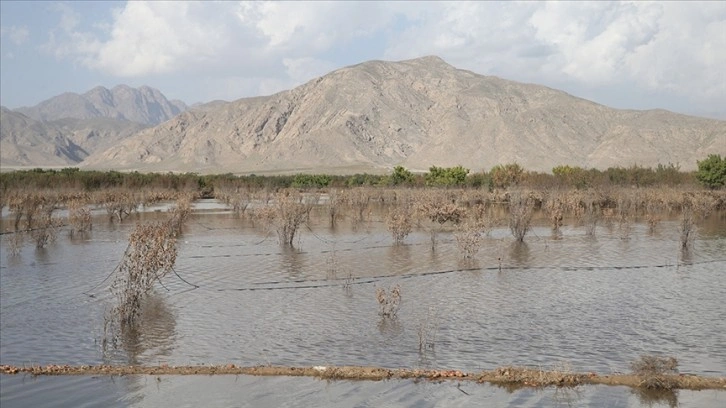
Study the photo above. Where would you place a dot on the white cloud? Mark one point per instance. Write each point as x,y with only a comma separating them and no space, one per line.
660,46
18,35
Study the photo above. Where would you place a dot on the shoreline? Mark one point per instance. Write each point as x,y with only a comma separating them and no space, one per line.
521,377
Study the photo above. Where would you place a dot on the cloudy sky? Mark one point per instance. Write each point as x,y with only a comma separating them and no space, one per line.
639,55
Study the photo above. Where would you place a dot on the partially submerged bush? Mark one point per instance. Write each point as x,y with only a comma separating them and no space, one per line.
149,257
399,223
388,301
286,213
520,216
657,372
79,217
468,238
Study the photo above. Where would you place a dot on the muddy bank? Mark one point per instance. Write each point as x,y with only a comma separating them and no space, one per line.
514,377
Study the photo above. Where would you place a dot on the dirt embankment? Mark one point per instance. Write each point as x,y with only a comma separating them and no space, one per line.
507,376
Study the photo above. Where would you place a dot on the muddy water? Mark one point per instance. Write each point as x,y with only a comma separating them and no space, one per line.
573,301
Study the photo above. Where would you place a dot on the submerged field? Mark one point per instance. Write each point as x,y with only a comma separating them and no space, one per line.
590,296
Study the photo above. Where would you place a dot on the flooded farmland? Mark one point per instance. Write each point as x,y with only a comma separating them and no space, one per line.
590,303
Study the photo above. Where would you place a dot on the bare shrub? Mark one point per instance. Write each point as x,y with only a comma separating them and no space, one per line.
520,215
427,330
656,371
180,212
335,202
399,223
44,229
441,212
555,210
119,204
149,256
687,226
285,214
590,217
79,217
468,238
388,301
14,242
358,199
234,198
438,208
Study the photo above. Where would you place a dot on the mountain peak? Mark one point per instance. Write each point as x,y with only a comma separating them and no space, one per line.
144,105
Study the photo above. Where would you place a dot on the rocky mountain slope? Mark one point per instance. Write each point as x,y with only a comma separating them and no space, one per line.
415,113
143,105
25,141
63,130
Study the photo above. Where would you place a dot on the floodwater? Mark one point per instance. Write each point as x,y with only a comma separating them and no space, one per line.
585,303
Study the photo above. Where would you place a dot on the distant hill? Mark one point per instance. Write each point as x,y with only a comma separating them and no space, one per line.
27,142
416,113
143,105
65,129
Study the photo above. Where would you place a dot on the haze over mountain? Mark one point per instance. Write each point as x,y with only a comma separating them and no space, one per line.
143,105
64,129
25,141
415,113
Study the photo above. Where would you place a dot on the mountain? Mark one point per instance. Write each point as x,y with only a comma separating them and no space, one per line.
65,129
415,113
143,105
27,142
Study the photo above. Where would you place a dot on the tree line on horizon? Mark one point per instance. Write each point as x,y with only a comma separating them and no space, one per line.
711,174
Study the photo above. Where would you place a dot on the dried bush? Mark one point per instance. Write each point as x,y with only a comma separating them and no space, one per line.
79,217
441,212
335,202
180,212
520,215
427,330
14,242
400,223
285,214
149,256
234,198
120,204
555,210
656,371
44,229
590,217
388,301
468,238
359,200
687,226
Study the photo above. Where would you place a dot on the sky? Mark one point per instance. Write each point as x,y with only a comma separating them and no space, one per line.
629,55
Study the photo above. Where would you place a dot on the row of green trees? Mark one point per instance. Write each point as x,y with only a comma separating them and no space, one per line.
711,174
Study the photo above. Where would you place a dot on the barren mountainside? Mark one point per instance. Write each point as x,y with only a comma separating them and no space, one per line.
142,105
26,142
414,113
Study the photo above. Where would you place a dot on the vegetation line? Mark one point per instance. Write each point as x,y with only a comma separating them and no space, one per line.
509,376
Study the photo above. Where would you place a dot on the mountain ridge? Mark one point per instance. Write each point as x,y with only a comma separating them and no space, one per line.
416,113
378,114
144,105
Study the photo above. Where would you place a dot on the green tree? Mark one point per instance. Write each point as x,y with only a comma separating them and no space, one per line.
573,176
712,171
401,176
449,176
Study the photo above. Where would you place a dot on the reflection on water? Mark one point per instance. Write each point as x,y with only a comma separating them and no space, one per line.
651,398
594,302
153,336
227,391
519,254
